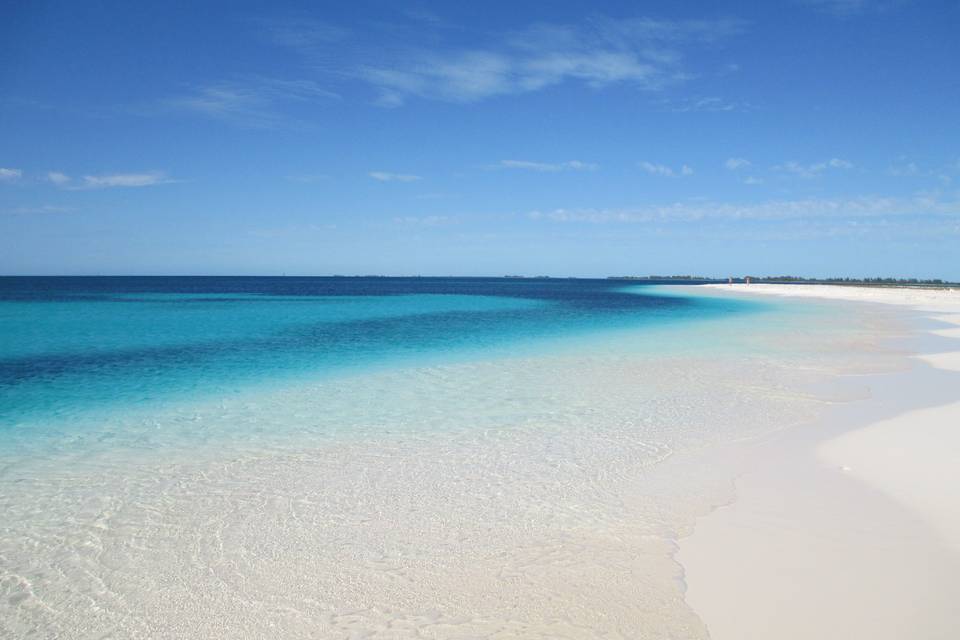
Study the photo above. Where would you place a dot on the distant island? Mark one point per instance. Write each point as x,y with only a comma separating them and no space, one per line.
898,282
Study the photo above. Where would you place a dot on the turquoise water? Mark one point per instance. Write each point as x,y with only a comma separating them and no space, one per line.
379,457
72,347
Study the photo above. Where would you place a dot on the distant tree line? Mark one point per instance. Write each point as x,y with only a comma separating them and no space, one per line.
837,280
800,279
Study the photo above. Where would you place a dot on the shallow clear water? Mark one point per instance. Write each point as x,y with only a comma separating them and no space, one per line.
383,458
70,346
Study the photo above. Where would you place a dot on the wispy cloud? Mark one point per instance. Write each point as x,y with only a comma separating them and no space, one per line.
642,52
305,34
906,169
866,206
57,178
665,171
63,181
570,165
425,16
846,8
109,181
739,164
710,104
251,101
425,221
126,180
813,170
10,175
386,176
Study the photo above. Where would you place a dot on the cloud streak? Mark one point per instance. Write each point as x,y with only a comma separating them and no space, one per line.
862,207
425,221
641,52
57,178
814,170
108,181
665,171
709,104
387,176
10,175
547,167
255,102
125,180
847,8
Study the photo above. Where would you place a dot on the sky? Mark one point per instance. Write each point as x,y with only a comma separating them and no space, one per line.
803,137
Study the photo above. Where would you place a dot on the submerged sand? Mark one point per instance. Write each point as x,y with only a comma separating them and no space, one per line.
540,496
851,528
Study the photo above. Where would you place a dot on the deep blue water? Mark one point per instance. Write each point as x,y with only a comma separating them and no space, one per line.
82,343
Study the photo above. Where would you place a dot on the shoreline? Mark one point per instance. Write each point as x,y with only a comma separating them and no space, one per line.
846,527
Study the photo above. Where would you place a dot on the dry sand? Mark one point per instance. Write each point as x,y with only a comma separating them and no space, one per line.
849,528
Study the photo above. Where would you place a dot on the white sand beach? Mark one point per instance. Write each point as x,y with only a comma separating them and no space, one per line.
849,528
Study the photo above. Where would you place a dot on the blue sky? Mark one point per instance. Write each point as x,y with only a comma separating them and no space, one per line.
813,137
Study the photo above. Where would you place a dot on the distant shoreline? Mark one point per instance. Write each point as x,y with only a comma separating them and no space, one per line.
652,279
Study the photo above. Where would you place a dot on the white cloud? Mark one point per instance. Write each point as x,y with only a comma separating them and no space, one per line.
304,33
57,178
570,165
862,207
839,6
736,163
813,170
904,170
710,104
10,175
386,176
846,8
124,180
642,52
665,171
424,221
836,163
107,181
251,101
752,180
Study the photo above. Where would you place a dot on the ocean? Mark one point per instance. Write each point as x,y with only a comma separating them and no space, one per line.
72,348
381,457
